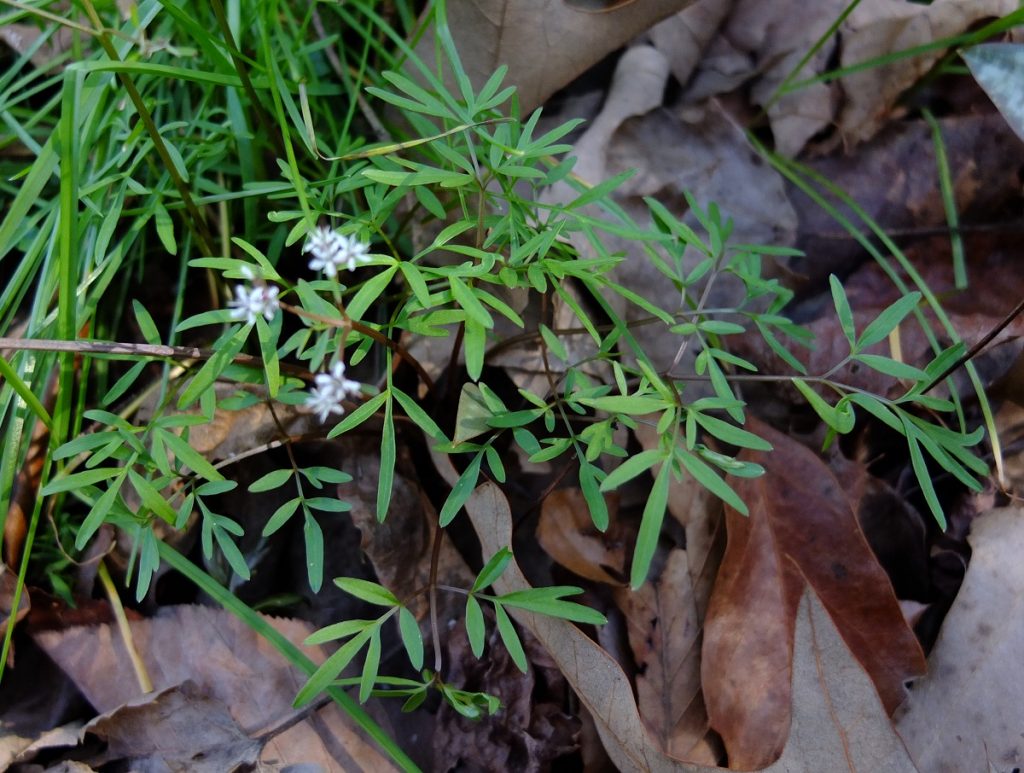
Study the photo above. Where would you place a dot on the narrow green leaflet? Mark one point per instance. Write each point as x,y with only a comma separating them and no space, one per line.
843,310
475,630
650,527
388,455
360,414
332,667
272,480
888,320
631,468
510,638
281,516
370,592
492,570
891,367
412,639
461,491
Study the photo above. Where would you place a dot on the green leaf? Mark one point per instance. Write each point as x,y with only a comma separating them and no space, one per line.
843,310
124,383
151,498
336,631
370,592
212,369
554,343
313,537
331,668
412,638
370,293
268,335
271,480
631,468
637,405
711,480
461,491
878,409
592,494
475,348
650,527
475,631
730,433
146,324
924,478
825,411
328,504
188,455
80,480
388,456
492,570
233,555
371,665
469,303
891,367
281,516
99,511
510,638
776,346
327,474
548,601
419,416
359,415
888,320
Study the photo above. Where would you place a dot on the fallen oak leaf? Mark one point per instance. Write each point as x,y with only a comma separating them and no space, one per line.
838,721
543,56
801,531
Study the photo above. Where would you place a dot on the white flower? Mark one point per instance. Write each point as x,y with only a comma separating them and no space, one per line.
332,250
331,388
324,403
250,303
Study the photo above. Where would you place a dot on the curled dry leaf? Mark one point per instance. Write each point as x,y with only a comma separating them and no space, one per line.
801,530
179,728
229,662
838,721
567,533
544,43
683,37
877,28
977,660
664,628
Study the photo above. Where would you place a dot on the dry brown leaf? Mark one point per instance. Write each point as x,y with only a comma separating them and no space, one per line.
544,43
763,42
683,37
877,28
179,728
965,715
229,662
567,533
664,626
894,179
801,530
838,720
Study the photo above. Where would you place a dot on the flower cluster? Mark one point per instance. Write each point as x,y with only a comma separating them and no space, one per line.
249,303
331,388
332,251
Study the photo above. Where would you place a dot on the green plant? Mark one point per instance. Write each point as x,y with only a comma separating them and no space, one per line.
245,187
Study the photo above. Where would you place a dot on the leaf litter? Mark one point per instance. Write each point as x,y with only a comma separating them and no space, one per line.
790,650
